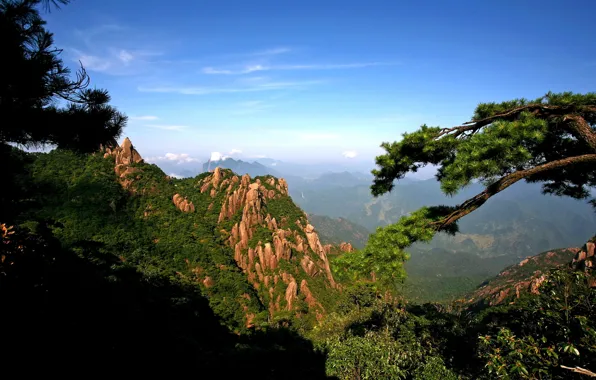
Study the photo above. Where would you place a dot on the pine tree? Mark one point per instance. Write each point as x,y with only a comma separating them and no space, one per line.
40,103
551,140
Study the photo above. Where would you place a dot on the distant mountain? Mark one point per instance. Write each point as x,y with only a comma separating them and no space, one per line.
312,171
240,167
515,223
338,230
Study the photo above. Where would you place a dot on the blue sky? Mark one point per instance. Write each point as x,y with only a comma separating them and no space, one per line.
317,80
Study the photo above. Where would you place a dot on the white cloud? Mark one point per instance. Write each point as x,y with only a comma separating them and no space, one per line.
179,158
174,175
168,127
217,156
92,62
143,118
350,154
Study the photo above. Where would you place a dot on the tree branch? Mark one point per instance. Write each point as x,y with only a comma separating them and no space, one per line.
503,183
539,110
581,130
580,370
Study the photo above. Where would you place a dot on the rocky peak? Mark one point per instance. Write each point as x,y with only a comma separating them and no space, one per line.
124,156
246,200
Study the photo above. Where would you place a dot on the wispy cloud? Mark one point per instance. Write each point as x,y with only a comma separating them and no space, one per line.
178,128
273,51
179,158
235,70
143,118
246,70
113,61
269,86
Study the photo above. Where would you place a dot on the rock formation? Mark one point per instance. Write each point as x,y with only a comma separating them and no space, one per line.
346,247
124,156
246,201
182,203
513,282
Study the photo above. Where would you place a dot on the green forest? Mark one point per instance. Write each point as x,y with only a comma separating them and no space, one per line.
110,266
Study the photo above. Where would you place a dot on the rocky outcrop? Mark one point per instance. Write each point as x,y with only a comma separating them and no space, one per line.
346,247
182,203
124,155
246,201
584,259
317,247
529,274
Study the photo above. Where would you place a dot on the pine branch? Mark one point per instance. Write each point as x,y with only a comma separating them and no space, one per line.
503,183
577,125
580,370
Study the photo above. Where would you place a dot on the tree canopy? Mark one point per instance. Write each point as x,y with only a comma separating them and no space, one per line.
551,140
40,101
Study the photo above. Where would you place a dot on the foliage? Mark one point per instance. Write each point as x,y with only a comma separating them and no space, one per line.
88,305
39,102
551,140
553,329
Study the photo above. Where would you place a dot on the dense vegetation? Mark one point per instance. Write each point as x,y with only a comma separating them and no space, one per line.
103,273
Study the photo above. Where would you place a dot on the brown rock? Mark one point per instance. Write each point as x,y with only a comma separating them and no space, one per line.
183,204
309,266
216,177
581,256
309,298
315,245
590,249
259,271
535,284
346,247
282,186
291,293
251,258
208,282
243,234
500,297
